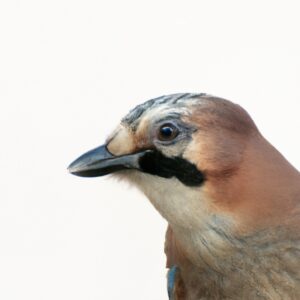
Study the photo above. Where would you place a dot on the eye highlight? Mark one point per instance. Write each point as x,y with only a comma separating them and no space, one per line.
167,132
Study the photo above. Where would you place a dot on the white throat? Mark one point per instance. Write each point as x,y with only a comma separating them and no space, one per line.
188,212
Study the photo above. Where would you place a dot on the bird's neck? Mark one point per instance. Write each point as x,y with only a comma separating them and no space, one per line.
264,194
251,230
266,190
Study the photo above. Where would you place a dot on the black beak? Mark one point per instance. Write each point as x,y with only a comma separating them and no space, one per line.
100,161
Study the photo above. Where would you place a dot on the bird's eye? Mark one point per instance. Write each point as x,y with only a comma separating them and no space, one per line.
167,132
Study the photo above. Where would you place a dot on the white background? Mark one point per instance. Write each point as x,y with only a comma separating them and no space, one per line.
69,70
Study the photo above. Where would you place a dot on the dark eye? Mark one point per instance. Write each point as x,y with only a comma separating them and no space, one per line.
167,132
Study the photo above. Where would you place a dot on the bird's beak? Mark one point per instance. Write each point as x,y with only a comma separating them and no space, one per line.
100,161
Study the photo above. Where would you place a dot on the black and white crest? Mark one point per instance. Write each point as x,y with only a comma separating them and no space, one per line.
174,99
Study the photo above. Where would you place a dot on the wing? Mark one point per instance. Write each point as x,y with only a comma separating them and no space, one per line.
175,285
176,288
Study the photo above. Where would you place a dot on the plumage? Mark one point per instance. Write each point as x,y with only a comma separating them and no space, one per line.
231,199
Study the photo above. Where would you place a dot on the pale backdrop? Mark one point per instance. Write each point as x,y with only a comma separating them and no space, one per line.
69,70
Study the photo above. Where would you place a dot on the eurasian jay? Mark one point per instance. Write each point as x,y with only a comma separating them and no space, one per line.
232,201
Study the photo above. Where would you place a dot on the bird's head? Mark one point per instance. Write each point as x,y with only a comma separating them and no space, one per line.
224,190
180,150
194,156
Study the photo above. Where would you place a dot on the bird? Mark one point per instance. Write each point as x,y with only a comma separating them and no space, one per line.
230,198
